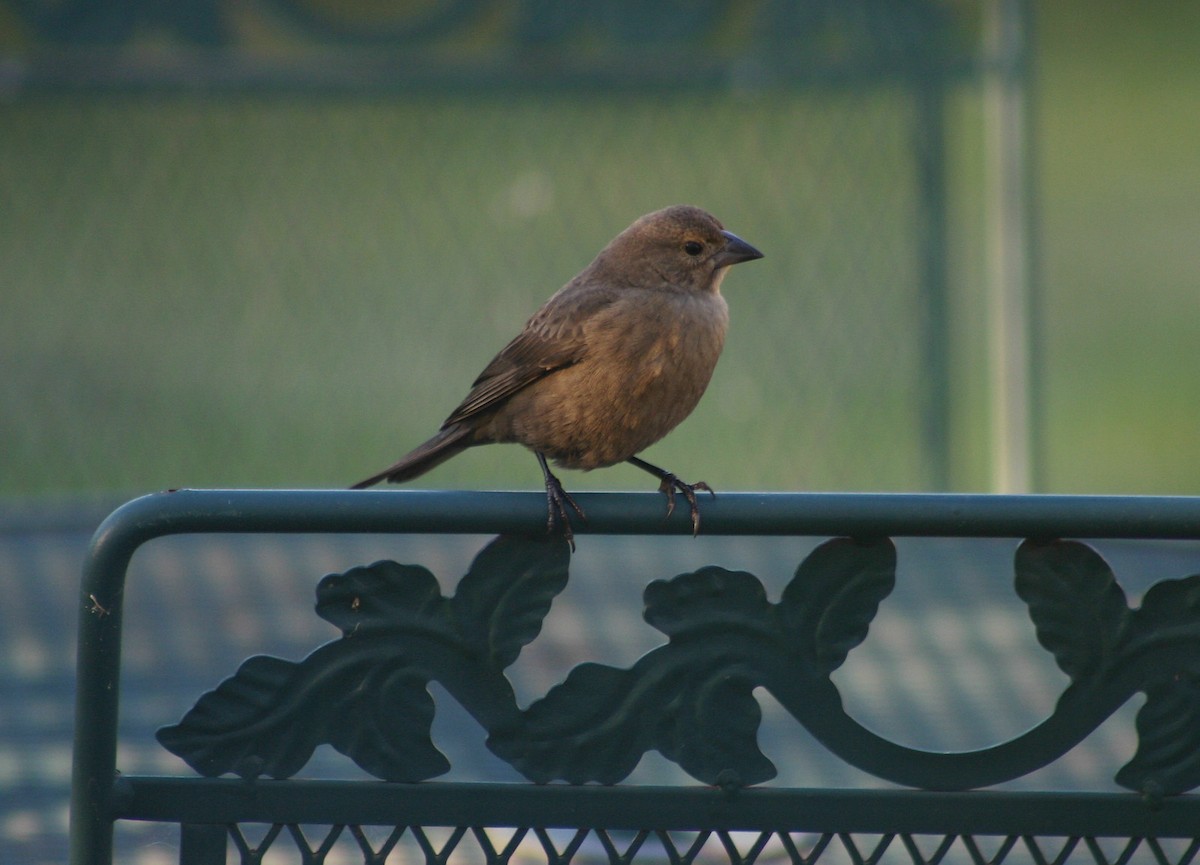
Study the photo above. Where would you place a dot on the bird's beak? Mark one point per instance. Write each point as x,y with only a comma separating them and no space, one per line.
736,251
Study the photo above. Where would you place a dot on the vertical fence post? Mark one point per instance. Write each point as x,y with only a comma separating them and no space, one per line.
1010,290
934,281
97,681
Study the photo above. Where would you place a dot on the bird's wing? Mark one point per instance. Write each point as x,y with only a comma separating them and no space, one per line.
553,339
522,362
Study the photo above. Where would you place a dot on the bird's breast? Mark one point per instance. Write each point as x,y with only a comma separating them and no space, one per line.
647,362
668,345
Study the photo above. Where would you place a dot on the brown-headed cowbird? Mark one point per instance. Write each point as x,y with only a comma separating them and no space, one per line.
609,364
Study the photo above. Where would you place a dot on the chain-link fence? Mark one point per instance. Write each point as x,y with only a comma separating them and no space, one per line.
273,243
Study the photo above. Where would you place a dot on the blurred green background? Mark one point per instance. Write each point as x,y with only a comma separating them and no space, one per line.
278,288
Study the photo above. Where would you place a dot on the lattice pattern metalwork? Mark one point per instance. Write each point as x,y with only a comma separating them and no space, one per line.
415,844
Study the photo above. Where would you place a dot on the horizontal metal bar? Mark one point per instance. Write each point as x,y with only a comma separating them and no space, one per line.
814,514
359,72
217,800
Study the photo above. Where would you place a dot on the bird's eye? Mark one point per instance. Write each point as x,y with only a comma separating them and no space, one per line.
693,247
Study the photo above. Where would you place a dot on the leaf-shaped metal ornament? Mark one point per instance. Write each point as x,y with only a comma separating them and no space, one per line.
829,605
711,729
383,597
366,693
1165,644
1078,609
383,726
693,697
500,603
707,599
1168,754
588,728
240,727
1170,605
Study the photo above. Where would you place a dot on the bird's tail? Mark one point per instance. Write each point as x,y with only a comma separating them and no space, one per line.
448,442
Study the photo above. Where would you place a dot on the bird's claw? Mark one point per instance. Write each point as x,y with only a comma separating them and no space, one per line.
670,484
557,500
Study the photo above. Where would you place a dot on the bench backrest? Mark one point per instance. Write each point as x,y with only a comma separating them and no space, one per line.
730,652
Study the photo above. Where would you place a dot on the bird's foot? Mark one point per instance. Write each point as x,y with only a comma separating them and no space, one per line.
670,484
557,515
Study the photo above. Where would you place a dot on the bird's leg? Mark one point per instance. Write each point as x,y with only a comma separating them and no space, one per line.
669,484
557,500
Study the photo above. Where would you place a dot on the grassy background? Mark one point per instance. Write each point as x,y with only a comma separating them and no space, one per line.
282,292
1120,187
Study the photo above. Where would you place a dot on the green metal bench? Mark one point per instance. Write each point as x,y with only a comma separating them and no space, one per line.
694,699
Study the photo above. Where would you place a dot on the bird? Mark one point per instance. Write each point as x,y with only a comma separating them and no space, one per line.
610,364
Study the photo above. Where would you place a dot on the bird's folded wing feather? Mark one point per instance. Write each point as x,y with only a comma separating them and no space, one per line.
550,341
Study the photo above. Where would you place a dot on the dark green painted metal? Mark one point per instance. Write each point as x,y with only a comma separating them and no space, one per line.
99,797
223,800
760,514
692,698
201,843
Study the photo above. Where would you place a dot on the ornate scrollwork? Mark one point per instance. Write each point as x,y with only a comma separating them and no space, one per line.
692,697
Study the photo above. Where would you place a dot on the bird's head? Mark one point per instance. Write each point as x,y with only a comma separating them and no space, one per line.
681,247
